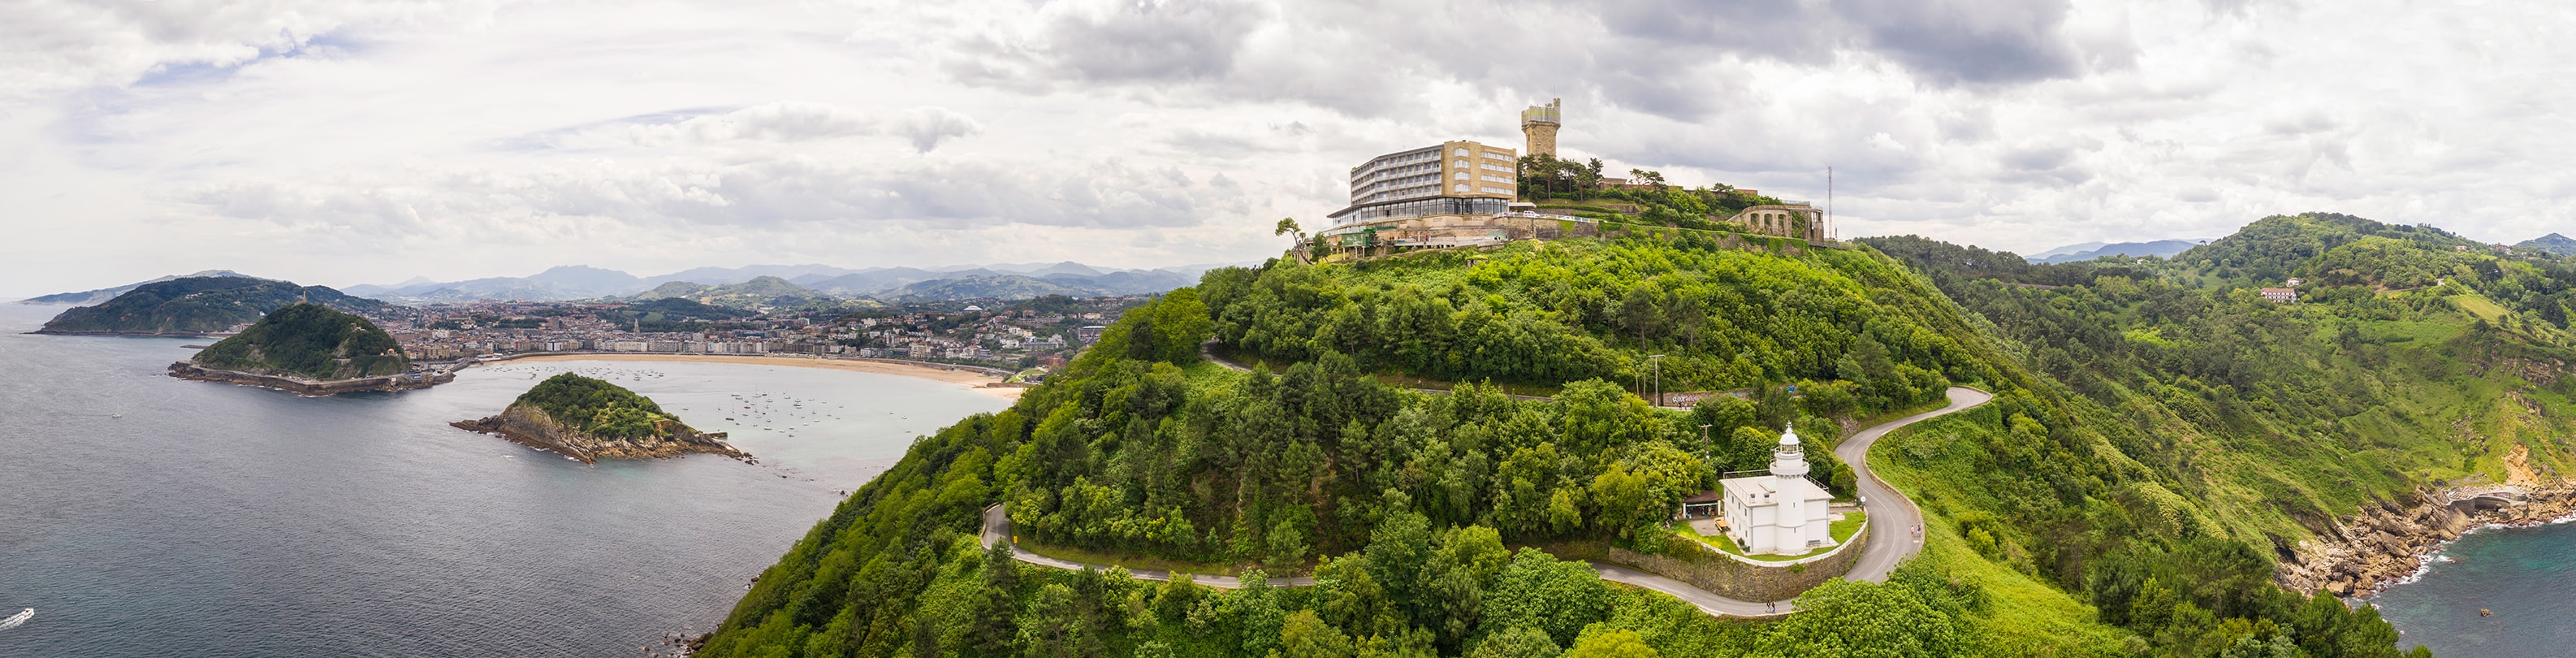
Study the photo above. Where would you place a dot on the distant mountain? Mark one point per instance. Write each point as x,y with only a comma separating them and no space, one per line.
764,291
716,276
196,306
2093,250
92,297
2068,249
1009,286
2552,243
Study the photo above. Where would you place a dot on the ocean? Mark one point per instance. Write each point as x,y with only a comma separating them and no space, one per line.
142,515
2526,577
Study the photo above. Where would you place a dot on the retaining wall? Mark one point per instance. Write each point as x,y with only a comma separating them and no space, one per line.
1702,567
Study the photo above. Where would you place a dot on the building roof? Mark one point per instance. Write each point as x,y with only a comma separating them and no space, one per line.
1759,490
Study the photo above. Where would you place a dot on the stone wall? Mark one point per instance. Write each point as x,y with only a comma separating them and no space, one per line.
1706,569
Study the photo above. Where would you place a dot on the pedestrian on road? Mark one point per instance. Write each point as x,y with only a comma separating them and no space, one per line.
1771,608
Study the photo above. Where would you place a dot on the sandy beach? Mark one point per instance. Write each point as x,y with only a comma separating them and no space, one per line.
967,378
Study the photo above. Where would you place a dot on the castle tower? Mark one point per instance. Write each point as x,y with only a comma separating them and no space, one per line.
1539,124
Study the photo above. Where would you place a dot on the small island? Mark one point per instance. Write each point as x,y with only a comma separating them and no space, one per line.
311,349
588,419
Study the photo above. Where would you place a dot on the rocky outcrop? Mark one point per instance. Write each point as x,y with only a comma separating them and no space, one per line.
2380,545
190,370
530,425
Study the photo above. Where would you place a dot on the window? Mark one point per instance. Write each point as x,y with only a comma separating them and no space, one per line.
1461,153
1462,175
1462,187
1461,164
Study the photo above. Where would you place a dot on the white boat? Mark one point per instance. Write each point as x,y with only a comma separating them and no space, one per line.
14,620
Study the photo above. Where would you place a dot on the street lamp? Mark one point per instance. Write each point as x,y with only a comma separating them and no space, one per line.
1705,442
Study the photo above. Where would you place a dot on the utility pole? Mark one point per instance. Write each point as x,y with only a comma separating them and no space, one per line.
1705,442
1832,232
1658,360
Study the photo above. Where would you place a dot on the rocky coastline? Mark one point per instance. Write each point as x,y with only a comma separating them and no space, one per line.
190,370
530,426
2383,545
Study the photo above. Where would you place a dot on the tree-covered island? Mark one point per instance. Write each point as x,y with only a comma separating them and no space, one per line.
589,420
308,348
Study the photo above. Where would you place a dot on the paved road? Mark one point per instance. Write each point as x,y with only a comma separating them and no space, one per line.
1893,540
998,525
1891,514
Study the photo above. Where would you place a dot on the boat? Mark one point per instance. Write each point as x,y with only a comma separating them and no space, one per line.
14,620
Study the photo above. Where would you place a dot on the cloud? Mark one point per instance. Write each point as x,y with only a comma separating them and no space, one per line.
768,192
428,137
927,126
778,122
50,46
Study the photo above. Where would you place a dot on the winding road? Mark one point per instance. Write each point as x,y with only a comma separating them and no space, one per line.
1891,512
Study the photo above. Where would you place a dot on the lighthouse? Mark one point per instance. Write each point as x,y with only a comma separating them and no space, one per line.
1782,512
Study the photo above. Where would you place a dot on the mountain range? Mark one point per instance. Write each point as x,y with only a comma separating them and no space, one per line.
571,282
2092,250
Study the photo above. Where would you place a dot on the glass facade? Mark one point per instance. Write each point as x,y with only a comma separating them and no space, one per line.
1423,207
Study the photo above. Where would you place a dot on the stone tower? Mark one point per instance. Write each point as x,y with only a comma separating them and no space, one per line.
1539,124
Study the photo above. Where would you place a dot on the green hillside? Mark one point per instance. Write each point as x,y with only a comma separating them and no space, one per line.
2060,524
196,306
311,341
760,292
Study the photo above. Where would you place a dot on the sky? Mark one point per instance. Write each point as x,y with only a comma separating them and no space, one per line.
340,142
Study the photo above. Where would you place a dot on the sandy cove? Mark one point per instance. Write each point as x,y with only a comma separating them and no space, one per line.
980,382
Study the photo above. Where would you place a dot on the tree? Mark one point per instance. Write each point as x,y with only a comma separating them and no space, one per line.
1305,636
1554,596
1602,641
1518,642
1843,618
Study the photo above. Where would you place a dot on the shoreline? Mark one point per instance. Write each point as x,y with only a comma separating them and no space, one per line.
2390,545
972,380
189,370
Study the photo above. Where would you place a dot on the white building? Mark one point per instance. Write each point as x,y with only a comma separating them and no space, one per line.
1783,513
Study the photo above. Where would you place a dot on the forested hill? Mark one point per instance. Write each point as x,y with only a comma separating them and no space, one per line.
1437,523
311,341
196,306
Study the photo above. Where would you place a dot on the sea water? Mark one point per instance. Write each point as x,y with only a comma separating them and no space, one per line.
143,515
2524,577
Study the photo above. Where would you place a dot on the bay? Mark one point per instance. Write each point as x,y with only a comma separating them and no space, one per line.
2526,577
142,515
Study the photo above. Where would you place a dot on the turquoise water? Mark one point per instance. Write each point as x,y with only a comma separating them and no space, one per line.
2525,576
142,515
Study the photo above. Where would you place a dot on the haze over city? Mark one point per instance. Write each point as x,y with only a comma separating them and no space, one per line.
358,142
